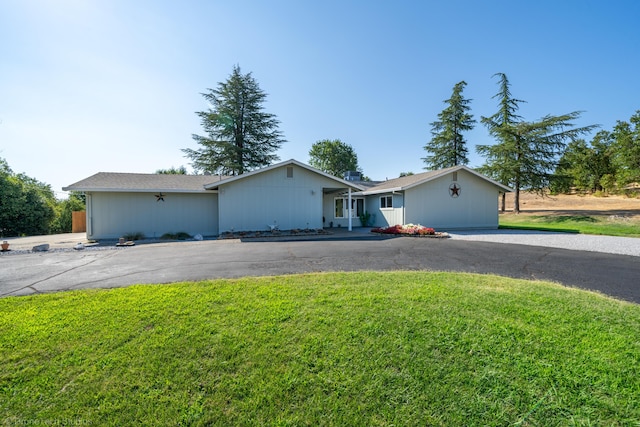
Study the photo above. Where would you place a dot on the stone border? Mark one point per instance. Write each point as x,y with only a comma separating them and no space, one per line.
227,235
438,235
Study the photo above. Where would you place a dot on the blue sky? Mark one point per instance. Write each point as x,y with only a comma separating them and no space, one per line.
89,86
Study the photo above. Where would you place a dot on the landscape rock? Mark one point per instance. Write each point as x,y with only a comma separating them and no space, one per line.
40,248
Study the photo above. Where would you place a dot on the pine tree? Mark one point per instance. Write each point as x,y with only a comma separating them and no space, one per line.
447,146
500,163
240,136
527,153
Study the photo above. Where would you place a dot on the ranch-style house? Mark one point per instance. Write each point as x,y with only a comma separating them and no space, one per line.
287,195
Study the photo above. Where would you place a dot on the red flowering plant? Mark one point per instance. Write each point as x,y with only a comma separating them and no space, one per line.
408,229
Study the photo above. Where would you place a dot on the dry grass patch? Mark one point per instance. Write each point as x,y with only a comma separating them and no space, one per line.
613,215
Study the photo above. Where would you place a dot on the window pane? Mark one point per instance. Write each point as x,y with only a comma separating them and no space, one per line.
354,207
339,205
359,207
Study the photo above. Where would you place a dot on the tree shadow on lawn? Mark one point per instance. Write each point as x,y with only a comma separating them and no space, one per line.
540,228
579,212
566,218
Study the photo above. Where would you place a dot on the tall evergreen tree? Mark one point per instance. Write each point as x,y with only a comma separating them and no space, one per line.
447,146
527,153
500,161
240,136
534,151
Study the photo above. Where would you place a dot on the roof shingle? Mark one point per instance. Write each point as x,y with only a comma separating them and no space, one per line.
138,182
406,182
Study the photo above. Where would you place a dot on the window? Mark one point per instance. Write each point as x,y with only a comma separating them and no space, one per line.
339,211
289,171
455,176
386,202
357,207
341,205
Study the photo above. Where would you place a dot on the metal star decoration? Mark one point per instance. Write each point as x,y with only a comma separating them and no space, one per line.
159,197
454,190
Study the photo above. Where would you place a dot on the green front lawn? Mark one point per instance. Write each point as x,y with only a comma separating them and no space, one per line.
344,349
585,224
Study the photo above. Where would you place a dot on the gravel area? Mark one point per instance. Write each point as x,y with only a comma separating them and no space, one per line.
55,249
578,242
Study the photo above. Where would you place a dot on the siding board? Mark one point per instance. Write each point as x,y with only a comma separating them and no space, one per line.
113,214
269,198
431,205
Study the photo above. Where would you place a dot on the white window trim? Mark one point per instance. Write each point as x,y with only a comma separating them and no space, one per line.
385,198
345,207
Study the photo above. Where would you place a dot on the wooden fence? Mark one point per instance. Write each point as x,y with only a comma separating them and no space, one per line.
78,222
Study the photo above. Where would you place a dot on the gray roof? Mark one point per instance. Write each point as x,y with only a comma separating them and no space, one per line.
168,183
406,182
340,181
140,182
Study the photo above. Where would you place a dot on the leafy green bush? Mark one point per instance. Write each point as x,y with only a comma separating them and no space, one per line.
27,206
133,236
63,213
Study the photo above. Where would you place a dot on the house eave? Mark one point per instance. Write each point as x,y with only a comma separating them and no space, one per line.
381,191
136,190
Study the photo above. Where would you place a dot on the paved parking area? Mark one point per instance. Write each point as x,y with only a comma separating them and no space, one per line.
29,273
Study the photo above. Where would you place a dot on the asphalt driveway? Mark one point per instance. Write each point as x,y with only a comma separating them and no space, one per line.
613,274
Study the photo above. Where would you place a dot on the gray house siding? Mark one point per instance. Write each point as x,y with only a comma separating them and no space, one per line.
385,217
329,210
431,204
110,215
272,198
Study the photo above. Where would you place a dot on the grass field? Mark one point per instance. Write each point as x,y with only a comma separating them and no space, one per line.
574,213
580,223
401,348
